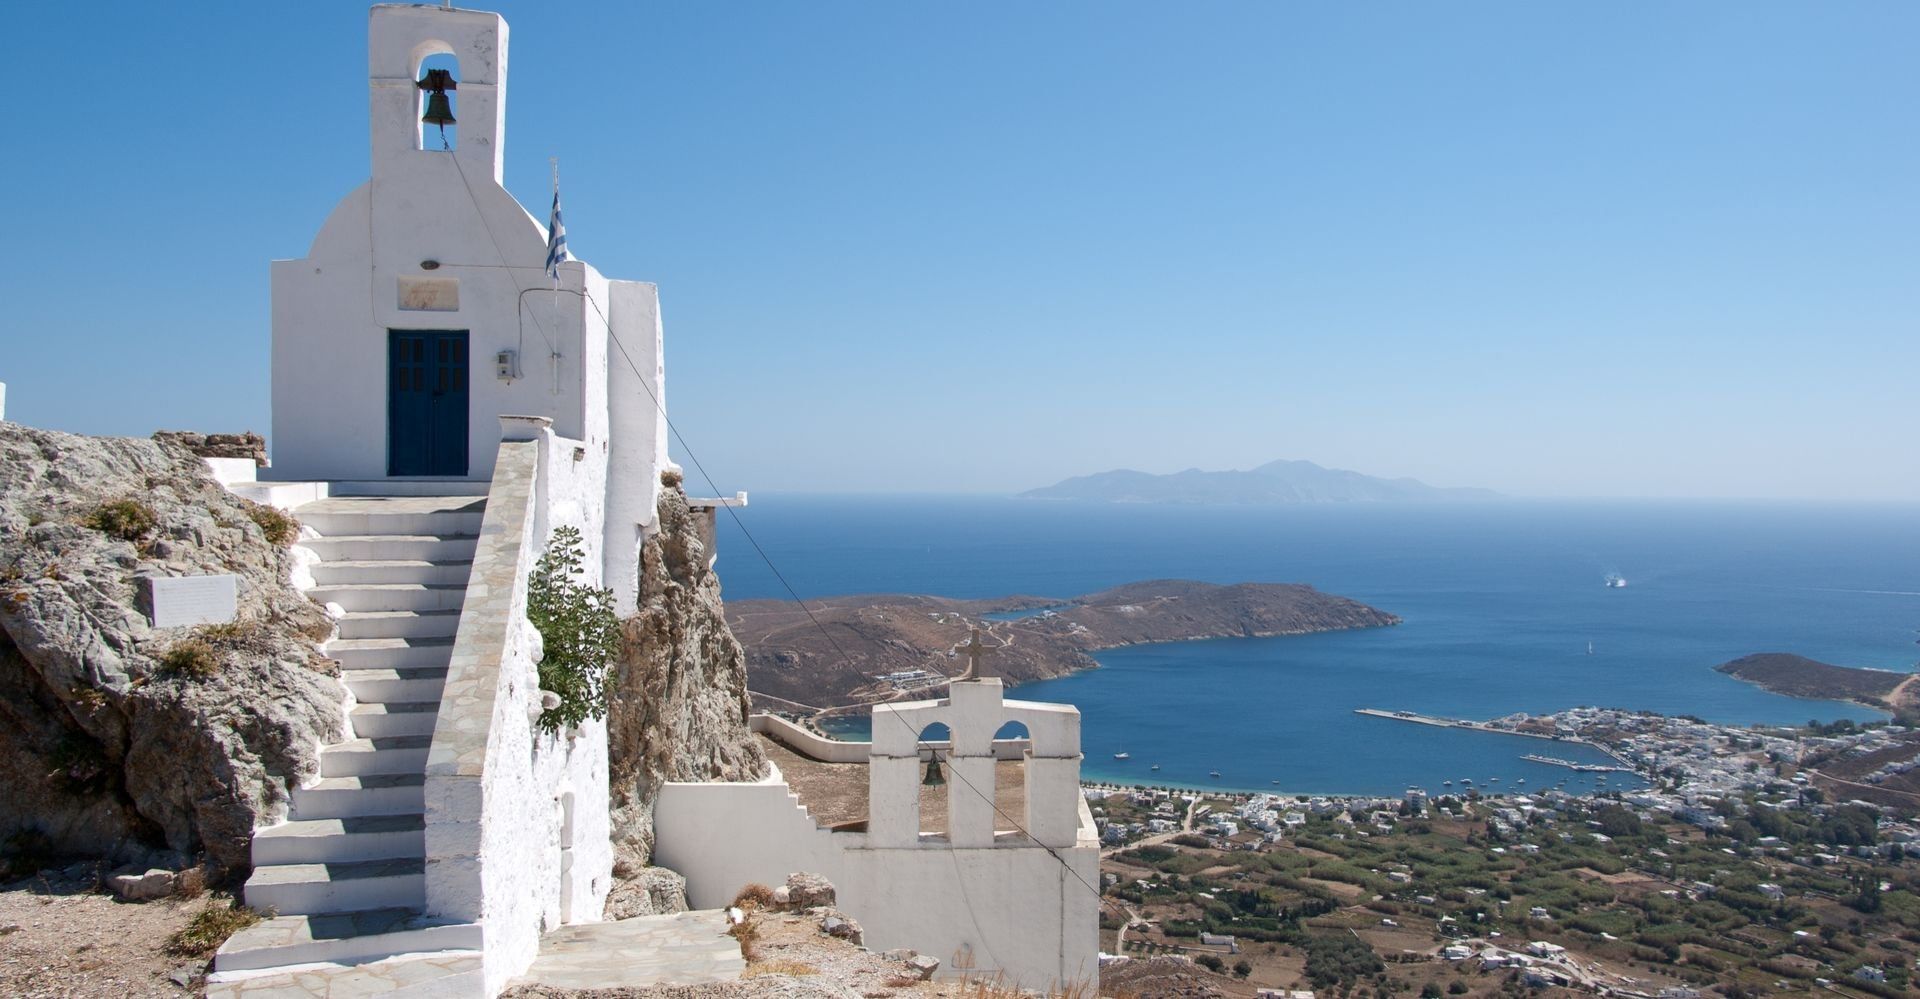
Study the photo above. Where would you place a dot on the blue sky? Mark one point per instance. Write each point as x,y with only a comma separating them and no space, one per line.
1552,249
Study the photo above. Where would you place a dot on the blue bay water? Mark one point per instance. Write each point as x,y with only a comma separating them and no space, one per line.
1500,601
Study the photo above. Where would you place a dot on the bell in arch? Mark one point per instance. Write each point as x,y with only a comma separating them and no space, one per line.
439,108
934,777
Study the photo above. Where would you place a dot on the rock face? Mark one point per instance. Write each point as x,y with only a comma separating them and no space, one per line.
118,739
651,891
679,706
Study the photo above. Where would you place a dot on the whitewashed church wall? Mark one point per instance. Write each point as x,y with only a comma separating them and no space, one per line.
332,309
637,430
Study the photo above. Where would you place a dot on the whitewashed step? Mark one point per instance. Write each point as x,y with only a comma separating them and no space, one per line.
389,571
344,886
352,797
403,754
400,624
343,938
394,515
396,686
392,596
319,841
393,547
391,653
375,721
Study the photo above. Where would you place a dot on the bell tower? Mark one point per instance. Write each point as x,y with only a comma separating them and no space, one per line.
400,38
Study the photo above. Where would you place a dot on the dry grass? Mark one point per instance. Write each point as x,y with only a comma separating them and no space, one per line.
192,657
754,897
191,884
747,932
780,966
278,525
210,927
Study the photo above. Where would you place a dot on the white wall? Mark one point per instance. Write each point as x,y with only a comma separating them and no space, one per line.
1008,910
979,900
636,408
518,833
333,308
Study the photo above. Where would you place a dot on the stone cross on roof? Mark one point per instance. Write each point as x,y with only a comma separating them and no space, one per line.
975,653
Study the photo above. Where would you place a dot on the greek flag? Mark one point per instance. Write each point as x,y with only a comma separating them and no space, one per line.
556,240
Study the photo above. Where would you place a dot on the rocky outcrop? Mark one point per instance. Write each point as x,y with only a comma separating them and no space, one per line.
651,891
249,445
118,739
679,706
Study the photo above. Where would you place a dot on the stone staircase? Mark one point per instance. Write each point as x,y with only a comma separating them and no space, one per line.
345,875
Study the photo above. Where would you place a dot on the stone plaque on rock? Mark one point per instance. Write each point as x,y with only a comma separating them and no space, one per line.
178,601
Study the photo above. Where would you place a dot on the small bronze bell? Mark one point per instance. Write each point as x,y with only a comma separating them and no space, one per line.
934,778
439,109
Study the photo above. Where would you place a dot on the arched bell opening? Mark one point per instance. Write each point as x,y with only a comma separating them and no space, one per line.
439,83
935,780
1010,779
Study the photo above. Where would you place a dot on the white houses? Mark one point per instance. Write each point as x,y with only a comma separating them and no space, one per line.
423,311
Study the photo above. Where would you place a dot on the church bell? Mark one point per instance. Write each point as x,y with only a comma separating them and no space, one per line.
934,778
439,109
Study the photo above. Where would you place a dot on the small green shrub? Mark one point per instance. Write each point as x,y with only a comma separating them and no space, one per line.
209,928
277,524
126,519
579,629
193,657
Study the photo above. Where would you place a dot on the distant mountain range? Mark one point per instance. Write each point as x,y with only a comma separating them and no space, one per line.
1273,483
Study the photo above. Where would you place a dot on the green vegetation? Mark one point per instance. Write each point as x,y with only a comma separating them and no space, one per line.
1778,896
579,629
126,519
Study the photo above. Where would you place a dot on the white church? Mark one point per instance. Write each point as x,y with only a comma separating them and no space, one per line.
443,401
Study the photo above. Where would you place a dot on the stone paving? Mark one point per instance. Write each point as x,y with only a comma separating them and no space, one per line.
684,948
447,973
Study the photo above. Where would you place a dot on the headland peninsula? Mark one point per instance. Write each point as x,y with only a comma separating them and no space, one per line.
877,647
1798,676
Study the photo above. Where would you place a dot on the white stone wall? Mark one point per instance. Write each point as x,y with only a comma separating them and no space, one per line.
982,901
518,835
1005,910
636,405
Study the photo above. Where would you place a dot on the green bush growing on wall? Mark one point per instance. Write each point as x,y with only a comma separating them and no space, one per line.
579,629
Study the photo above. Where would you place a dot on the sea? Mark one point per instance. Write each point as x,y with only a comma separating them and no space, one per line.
1504,603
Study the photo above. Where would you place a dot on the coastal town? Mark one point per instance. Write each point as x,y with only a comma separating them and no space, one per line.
1748,863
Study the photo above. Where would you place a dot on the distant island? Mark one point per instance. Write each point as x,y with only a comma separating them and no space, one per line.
1798,676
1276,482
888,646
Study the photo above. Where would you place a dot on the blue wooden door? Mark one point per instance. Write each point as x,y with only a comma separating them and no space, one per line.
427,402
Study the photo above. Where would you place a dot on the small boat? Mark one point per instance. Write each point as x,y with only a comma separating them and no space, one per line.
1589,648
1493,780
1446,783
1156,766
1468,781
1123,755
1521,780
1276,780
1615,581
1213,773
